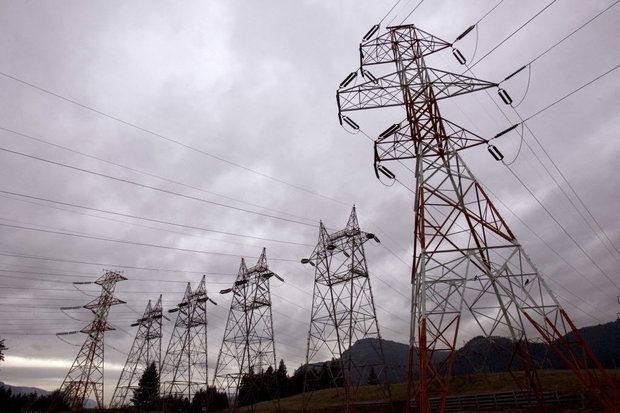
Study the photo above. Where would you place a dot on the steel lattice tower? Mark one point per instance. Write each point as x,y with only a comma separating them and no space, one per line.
248,345
85,377
184,369
343,311
146,349
469,269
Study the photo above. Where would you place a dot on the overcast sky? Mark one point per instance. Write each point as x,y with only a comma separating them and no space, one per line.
253,83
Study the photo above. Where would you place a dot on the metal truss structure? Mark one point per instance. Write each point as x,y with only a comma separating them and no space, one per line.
184,370
469,270
146,349
248,347
85,377
343,312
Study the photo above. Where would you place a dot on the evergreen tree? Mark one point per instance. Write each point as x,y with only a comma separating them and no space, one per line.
146,396
2,348
283,384
210,400
296,382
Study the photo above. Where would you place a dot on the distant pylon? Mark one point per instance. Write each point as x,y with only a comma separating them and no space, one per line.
469,270
146,349
248,345
184,370
343,312
85,377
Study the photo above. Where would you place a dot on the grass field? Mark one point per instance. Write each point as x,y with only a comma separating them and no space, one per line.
331,399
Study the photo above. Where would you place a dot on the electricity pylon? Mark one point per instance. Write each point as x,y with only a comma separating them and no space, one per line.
85,377
248,347
469,270
146,349
184,370
343,312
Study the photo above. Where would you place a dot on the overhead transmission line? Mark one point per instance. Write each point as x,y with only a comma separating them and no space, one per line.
389,11
145,186
513,33
110,265
154,228
489,12
573,32
412,11
45,272
555,102
142,172
168,139
154,220
142,244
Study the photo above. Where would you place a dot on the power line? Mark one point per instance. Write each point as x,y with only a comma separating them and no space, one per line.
159,221
142,172
142,244
571,93
570,186
389,11
110,265
564,192
154,228
513,33
168,139
541,239
166,191
489,12
411,12
573,32
584,252
54,274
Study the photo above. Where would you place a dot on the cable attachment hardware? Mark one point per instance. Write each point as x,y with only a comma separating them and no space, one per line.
458,56
495,152
465,33
373,30
505,131
389,131
514,73
504,96
348,79
350,122
384,171
368,75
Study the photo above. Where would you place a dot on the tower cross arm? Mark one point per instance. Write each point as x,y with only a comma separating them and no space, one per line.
380,49
387,91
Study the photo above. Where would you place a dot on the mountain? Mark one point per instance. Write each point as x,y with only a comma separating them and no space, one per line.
17,390
482,354
22,390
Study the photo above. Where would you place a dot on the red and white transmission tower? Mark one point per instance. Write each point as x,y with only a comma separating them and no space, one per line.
343,312
469,270
184,370
146,349
85,377
248,345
